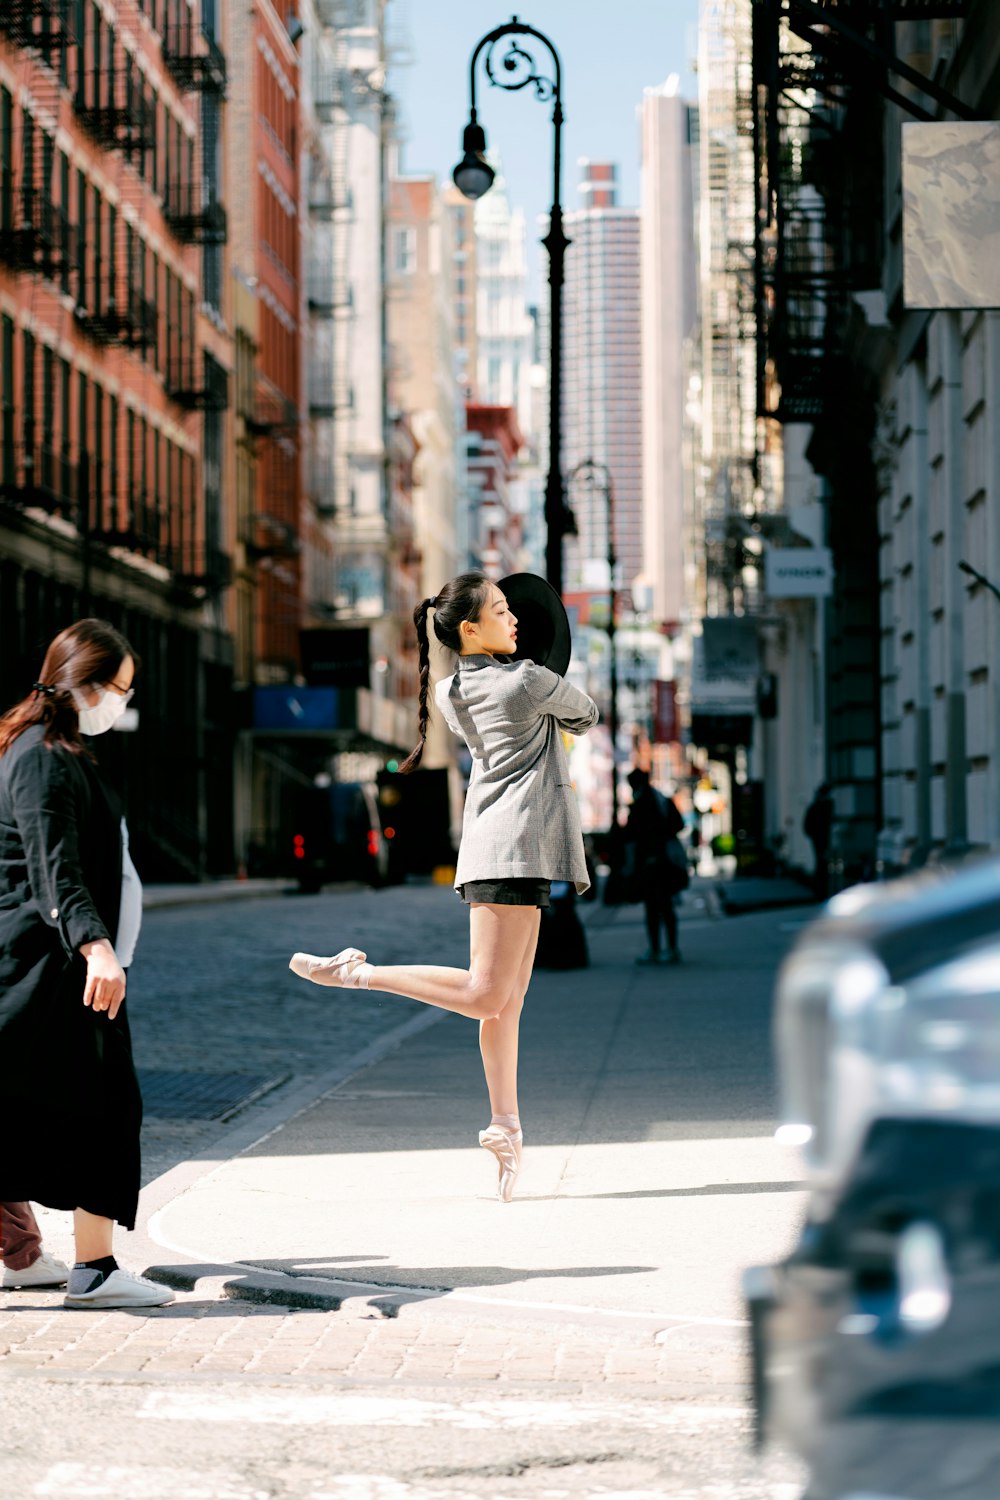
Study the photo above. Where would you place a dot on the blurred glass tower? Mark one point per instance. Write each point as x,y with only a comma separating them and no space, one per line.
602,378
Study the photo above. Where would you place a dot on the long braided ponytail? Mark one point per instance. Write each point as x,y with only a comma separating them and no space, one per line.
461,599
415,756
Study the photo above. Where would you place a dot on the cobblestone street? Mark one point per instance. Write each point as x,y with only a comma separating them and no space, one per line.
211,990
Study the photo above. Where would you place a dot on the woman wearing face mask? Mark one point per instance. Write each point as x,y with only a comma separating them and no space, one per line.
521,830
70,909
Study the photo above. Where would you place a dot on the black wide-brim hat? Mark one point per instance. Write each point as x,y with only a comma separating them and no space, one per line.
542,622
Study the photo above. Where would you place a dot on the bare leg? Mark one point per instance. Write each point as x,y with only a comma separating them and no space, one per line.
498,1038
500,937
93,1235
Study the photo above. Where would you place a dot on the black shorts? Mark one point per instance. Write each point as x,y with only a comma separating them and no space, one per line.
515,892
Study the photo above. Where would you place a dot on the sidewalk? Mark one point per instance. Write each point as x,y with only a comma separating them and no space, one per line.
194,893
651,1176
759,893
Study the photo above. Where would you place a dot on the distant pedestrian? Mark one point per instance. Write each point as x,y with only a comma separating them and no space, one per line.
70,908
521,830
817,825
658,862
26,1263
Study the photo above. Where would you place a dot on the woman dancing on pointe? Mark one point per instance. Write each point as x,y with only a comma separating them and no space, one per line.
521,831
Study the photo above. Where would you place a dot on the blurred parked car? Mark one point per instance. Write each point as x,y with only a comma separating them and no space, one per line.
876,1343
336,835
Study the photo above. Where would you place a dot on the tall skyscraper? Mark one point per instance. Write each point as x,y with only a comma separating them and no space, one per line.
602,378
668,279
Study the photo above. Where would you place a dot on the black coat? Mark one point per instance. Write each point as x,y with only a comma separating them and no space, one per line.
69,1098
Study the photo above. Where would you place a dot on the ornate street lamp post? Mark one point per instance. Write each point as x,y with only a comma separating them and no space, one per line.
473,177
598,477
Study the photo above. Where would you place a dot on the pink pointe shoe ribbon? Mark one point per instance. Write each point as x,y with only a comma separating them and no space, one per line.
346,970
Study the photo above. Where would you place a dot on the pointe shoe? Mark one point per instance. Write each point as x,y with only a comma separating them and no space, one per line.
506,1147
346,970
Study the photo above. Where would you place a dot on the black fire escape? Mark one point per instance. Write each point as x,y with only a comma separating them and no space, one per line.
196,381
44,25
35,233
824,74
113,101
195,58
822,70
194,213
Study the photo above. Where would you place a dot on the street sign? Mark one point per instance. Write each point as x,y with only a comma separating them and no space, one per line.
295,708
798,572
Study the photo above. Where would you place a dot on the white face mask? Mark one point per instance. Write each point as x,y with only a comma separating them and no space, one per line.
97,717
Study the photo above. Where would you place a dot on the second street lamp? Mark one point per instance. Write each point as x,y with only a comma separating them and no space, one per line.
598,477
473,177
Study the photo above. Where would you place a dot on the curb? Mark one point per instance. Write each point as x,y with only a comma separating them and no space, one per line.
736,908
161,898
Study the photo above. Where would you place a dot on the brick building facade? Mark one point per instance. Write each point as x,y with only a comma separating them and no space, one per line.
114,385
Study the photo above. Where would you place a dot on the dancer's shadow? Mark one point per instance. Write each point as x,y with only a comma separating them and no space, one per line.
429,1282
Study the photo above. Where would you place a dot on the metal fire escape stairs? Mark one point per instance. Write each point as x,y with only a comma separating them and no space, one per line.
821,71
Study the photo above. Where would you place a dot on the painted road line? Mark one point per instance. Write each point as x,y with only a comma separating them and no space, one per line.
77,1481
277,1408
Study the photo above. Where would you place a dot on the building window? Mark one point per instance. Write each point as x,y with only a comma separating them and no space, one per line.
98,485
48,419
6,160
83,454
28,415
7,400
211,149
66,487
404,258
130,470
113,461
67,218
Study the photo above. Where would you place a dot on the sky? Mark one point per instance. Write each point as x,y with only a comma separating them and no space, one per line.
610,52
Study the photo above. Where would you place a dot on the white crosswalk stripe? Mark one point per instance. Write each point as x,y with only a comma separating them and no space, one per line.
307,1409
81,1481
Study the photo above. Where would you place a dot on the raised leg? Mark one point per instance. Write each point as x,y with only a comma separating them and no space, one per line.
499,937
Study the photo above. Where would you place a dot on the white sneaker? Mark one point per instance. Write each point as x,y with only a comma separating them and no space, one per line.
122,1289
45,1271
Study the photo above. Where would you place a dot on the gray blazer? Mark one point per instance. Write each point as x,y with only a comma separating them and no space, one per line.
521,816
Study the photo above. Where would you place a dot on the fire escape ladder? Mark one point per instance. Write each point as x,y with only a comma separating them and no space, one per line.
818,88
826,26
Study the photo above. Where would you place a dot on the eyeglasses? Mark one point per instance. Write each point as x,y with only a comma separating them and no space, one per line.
125,693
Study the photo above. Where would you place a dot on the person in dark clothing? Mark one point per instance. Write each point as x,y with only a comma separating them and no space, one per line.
658,860
70,910
816,825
